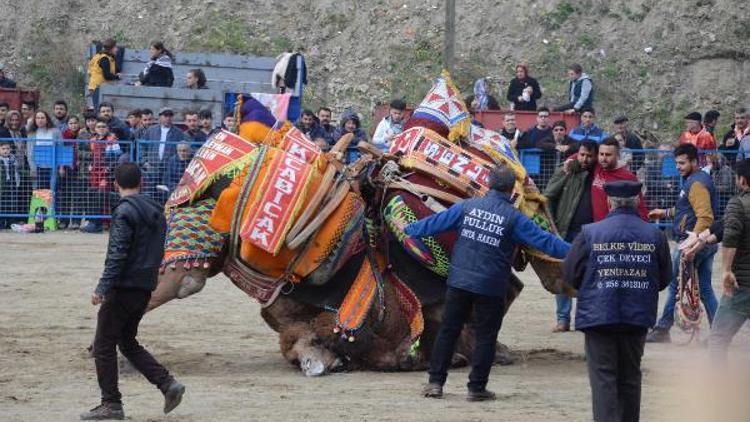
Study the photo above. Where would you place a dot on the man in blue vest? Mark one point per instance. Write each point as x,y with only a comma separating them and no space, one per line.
618,265
489,229
694,211
580,91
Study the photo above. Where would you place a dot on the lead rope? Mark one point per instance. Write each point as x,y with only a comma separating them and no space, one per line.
688,310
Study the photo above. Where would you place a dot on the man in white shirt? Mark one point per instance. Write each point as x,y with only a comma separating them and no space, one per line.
390,126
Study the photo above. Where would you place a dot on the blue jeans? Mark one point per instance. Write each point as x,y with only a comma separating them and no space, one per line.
703,262
731,315
564,307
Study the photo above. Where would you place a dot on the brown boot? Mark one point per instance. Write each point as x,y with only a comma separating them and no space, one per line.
561,327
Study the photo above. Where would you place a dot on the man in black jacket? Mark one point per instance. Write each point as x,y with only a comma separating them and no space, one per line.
134,253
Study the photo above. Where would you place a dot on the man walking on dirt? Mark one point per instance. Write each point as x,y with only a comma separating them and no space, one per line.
488,230
134,253
618,265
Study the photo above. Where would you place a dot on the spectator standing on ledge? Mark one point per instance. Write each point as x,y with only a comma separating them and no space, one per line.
4,81
324,118
60,114
390,126
739,131
694,211
136,245
569,196
196,79
542,130
615,317
158,71
580,91
588,130
510,131
102,69
523,90
488,230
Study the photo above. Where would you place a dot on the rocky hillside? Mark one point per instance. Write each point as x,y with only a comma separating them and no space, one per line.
363,53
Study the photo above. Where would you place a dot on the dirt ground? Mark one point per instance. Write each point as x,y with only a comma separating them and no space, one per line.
216,343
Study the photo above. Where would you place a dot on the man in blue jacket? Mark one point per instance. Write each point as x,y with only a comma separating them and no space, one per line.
489,229
618,265
588,130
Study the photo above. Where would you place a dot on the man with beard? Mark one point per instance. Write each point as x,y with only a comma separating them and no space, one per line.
695,212
324,117
569,198
60,114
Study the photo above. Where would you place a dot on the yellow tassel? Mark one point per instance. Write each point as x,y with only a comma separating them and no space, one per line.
237,111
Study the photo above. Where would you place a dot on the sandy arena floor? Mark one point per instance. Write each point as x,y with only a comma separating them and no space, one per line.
216,343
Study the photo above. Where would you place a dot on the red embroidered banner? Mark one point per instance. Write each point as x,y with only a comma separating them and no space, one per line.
221,152
298,144
283,192
449,161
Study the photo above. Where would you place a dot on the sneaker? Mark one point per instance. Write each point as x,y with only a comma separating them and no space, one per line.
104,412
173,396
561,327
659,335
481,395
433,391
62,225
91,227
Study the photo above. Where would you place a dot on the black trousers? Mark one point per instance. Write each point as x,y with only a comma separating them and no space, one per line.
117,325
488,317
614,364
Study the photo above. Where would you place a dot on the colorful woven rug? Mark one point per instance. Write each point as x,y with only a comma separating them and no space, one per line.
355,307
427,250
410,307
190,239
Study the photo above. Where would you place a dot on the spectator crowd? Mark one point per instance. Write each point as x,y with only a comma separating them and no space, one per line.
98,140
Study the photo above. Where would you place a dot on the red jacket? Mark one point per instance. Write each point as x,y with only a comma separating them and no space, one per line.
104,154
599,204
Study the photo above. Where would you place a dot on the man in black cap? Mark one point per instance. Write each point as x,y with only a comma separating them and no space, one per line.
628,141
488,228
618,265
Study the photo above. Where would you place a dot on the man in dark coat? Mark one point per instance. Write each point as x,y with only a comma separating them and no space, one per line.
618,265
131,269
489,229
